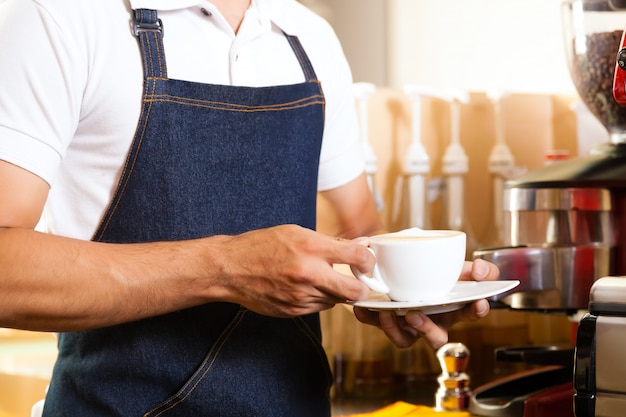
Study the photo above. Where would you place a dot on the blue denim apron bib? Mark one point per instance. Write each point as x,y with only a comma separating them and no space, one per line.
205,160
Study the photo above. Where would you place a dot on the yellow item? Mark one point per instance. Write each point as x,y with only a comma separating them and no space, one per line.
403,409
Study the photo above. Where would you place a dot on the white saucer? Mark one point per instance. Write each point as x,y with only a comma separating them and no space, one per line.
463,292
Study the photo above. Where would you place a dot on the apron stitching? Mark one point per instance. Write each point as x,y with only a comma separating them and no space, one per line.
152,64
150,97
248,109
299,321
307,68
160,53
146,62
199,375
286,104
148,91
150,55
128,169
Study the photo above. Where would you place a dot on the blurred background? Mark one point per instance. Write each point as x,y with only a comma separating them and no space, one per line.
512,45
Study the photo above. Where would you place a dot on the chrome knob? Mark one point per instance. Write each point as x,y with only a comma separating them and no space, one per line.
454,392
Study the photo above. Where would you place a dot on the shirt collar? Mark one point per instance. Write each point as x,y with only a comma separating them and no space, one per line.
164,4
276,11
267,11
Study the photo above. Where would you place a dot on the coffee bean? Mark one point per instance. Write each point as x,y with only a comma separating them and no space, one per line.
592,73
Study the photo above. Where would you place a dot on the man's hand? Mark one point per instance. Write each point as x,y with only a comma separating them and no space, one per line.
286,271
405,331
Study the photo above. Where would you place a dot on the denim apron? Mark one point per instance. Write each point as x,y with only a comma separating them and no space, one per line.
205,160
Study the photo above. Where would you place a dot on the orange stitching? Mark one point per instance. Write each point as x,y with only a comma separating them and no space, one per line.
125,179
152,98
308,70
299,321
256,110
315,99
185,99
128,168
162,64
198,378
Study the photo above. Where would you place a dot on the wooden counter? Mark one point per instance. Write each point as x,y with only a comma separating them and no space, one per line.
26,362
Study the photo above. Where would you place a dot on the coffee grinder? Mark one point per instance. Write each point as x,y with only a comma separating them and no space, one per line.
564,224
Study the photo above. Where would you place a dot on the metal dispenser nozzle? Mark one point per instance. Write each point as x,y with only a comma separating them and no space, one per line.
363,92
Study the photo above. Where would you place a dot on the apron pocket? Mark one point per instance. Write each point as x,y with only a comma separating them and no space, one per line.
259,366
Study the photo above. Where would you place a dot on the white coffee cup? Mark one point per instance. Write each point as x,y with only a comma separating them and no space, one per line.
415,265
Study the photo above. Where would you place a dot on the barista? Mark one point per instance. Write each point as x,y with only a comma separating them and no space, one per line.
180,264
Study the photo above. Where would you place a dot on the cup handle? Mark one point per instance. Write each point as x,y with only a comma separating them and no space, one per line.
375,282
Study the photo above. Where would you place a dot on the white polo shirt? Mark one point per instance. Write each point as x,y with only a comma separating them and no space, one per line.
71,82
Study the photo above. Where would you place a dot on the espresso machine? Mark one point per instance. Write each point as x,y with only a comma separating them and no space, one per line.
564,232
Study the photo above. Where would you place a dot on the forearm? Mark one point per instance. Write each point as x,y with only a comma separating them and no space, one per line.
349,211
52,283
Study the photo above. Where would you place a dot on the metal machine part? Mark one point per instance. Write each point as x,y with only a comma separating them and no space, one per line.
565,227
561,239
454,392
599,365
540,392
544,390
550,278
564,223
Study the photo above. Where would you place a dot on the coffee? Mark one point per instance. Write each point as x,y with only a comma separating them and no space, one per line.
390,238
415,265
